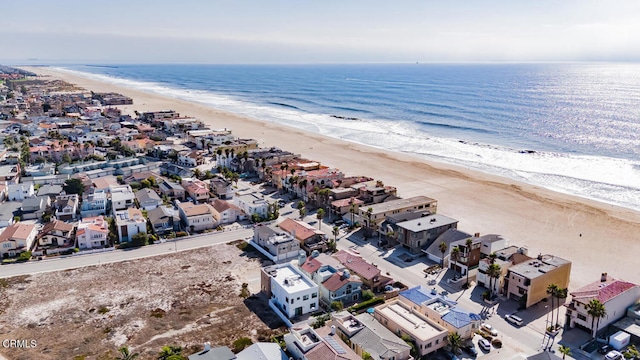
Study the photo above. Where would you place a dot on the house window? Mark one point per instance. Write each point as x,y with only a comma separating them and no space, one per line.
582,317
314,295
306,297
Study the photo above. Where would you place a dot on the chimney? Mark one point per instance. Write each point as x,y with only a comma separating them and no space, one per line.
207,346
603,277
333,330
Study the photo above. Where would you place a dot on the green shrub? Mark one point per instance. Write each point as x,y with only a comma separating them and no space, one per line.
24,256
241,343
181,234
103,310
366,304
367,295
337,305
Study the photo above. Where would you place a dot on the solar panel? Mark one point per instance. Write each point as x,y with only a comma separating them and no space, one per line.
334,344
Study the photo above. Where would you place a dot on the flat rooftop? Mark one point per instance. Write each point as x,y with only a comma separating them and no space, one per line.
412,323
290,279
427,223
537,267
400,204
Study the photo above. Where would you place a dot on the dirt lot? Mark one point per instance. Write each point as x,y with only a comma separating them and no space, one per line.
183,299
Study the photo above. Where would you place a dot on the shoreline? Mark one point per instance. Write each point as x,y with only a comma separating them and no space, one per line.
565,225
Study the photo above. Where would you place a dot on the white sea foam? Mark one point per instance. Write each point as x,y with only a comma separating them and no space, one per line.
606,179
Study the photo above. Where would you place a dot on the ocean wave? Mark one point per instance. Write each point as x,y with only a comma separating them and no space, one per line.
602,178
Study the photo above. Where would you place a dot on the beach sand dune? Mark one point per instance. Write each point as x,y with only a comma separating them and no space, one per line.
596,237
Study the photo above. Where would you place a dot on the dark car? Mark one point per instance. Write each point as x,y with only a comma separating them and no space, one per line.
471,350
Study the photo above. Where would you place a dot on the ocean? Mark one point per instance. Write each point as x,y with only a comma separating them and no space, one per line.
573,128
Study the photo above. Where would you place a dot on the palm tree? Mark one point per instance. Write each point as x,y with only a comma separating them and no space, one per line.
443,249
564,350
560,295
319,216
126,355
493,271
493,257
468,243
455,341
336,232
455,255
352,210
552,289
597,311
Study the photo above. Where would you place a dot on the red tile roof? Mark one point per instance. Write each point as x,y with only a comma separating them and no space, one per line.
357,264
311,265
602,290
346,202
338,280
303,230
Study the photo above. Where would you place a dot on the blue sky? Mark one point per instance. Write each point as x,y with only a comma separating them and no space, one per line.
328,31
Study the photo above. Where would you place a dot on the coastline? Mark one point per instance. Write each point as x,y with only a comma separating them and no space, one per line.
578,229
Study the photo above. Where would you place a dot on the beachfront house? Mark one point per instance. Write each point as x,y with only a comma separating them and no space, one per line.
616,295
528,281
420,233
374,215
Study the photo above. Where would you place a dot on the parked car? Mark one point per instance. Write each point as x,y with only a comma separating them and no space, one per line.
484,344
488,328
515,320
604,349
613,355
451,356
470,349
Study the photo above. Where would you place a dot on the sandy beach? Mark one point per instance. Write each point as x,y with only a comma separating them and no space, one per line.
596,237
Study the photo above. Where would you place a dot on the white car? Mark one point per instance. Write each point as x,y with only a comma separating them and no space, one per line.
488,328
613,355
484,345
515,320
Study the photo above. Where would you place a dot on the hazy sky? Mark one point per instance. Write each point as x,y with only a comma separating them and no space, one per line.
277,31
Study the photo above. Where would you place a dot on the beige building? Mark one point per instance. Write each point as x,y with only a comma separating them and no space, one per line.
197,217
402,319
531,278
378,213
17,238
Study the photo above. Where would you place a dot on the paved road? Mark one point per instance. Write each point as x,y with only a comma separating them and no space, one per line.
518,341
82,260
